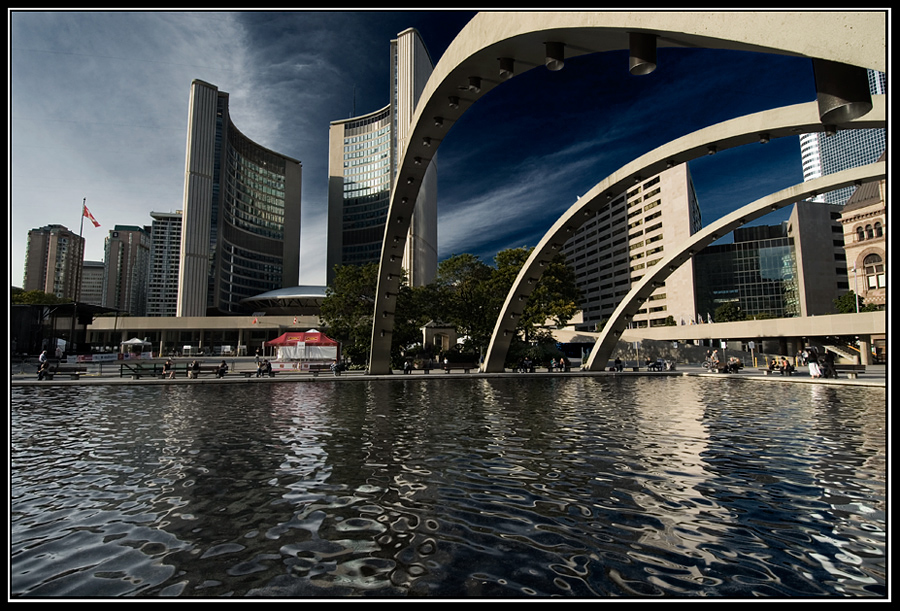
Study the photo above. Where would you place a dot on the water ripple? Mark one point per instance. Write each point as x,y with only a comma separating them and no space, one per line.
524,488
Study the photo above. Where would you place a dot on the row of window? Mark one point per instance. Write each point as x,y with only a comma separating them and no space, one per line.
869,232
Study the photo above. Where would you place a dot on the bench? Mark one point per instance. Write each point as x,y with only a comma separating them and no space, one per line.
852,371
204,369
74,371
466,367
766,371
138,370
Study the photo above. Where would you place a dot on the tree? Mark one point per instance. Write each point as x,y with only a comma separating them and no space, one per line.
728,312
20,297
348,308
462,293
850,302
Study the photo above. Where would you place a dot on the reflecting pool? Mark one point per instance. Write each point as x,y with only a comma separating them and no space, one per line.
626,487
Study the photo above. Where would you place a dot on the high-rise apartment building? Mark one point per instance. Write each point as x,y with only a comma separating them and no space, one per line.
92,283
53,261
363,157
126,269
823,154
241,214
633,232
165,251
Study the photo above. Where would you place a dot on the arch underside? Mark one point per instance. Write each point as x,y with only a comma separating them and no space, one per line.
853,38
780,122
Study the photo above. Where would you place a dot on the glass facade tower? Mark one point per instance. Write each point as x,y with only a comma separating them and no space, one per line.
241,218
363,155
822,155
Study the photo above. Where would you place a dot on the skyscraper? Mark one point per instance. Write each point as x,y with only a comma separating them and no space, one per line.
823,154
241,214
53,261
165,237
363,157
126,269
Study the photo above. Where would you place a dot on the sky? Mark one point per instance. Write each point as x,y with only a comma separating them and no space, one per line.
98,107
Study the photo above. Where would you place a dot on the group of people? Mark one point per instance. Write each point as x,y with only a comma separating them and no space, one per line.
784,366
263,368
820,366
732,365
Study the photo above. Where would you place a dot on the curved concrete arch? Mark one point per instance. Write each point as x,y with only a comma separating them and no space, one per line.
470,67
613,329
777,123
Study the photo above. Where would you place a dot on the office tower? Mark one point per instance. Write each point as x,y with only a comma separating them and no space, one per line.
165,251
241,214
757,272
363,156
796,268
53,261
823,154
92,283
126,269
633,232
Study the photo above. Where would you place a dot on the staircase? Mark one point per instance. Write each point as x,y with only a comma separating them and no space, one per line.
847,353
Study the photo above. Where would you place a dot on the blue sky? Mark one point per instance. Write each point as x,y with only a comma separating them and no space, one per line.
99,101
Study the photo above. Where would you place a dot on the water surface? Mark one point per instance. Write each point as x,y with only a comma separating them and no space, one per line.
513,487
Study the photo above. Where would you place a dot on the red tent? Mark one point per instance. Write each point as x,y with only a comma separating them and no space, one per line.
310,338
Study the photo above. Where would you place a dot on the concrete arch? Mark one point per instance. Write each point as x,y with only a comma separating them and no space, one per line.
777,123
470,67
613,329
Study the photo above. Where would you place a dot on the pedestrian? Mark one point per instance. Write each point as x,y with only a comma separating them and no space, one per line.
826,365
812,359
43,369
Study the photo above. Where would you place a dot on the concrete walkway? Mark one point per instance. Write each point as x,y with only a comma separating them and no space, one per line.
875,375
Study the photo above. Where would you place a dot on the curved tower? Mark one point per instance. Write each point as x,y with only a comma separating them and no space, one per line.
362,166
241,219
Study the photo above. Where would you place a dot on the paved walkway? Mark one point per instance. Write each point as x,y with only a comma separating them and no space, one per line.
875,375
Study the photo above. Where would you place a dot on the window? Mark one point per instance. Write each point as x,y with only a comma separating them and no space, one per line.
874,268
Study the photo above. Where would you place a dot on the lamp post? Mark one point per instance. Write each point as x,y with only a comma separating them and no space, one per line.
855,289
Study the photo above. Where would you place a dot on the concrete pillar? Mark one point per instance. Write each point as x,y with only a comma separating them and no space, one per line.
864,349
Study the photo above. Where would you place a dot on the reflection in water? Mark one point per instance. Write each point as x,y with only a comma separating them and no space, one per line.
508,487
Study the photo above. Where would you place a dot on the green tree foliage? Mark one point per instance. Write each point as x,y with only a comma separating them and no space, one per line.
850,301
348,308
467,294
20,297
728,312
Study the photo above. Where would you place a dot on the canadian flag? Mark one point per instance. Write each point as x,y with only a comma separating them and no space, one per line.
88,214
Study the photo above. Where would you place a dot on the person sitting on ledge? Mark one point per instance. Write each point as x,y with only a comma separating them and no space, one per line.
221,370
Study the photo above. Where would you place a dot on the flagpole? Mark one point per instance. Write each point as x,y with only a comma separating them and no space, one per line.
83,206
